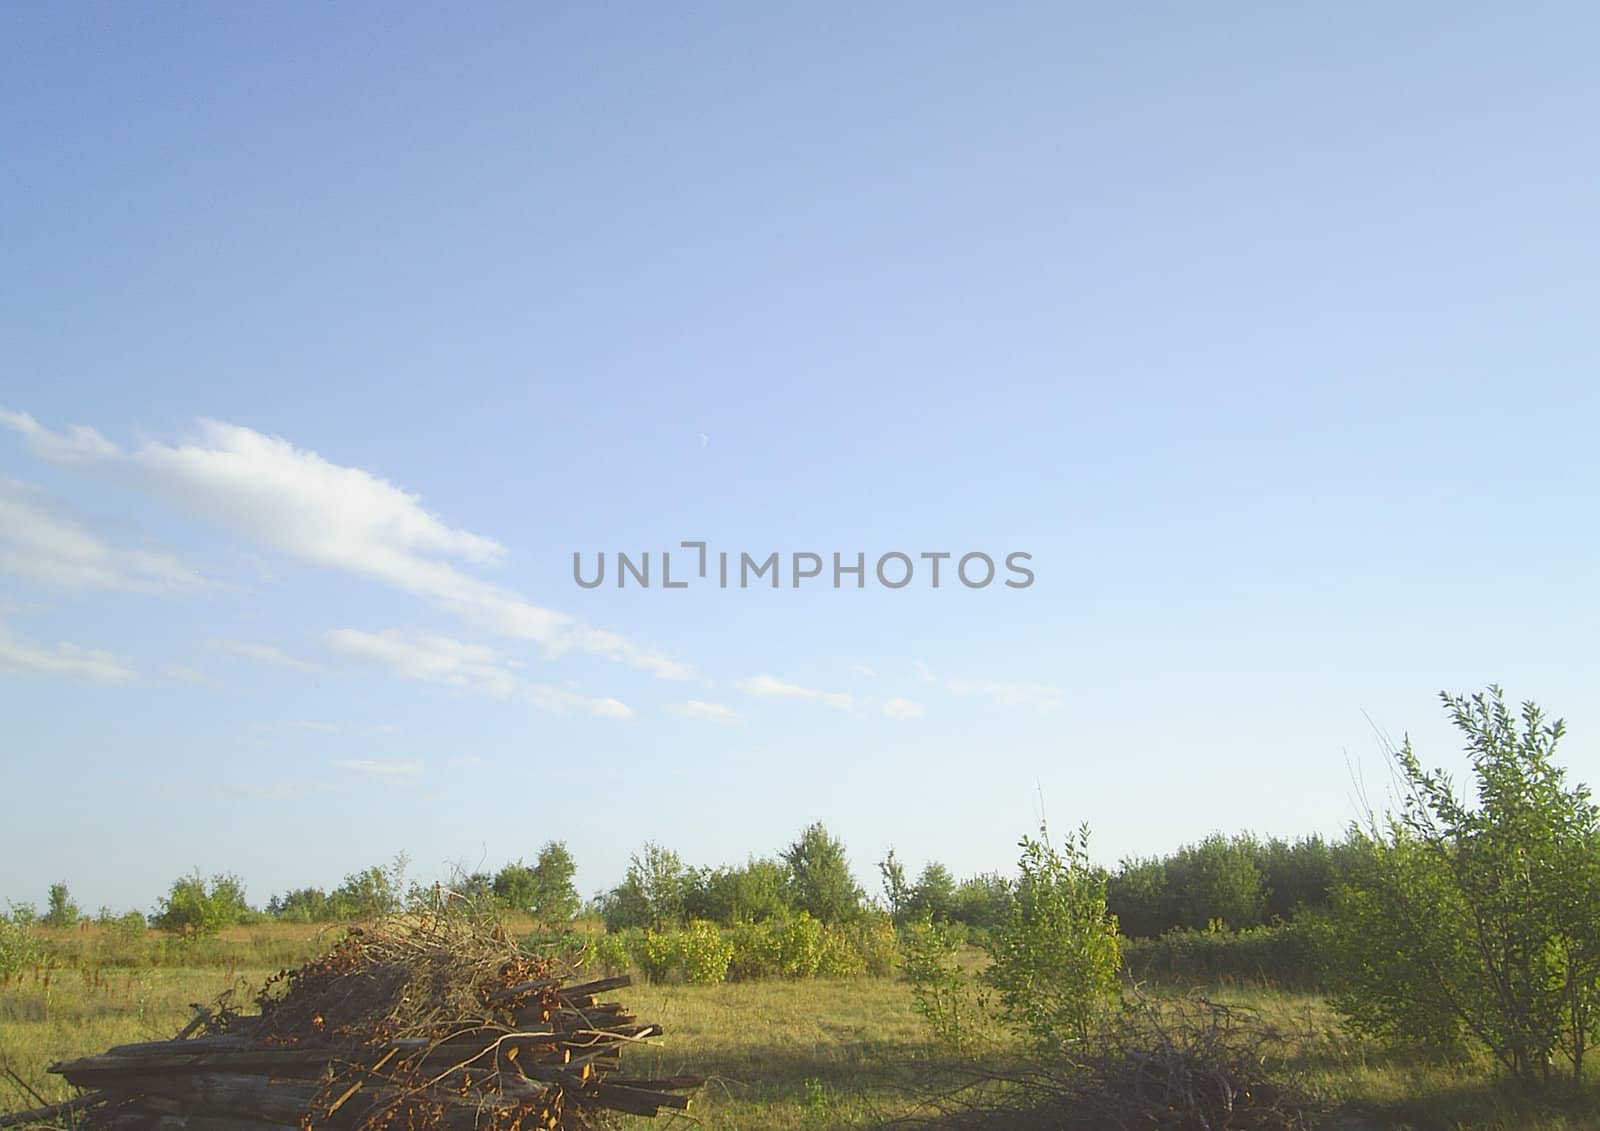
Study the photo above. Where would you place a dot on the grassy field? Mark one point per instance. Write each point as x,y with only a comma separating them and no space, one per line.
815,1053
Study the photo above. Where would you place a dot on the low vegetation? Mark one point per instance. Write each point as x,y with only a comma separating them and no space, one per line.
1439,966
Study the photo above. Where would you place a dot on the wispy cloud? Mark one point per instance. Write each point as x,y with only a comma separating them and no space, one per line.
26,657
707,712
433,658
771,687
1041,697
903,709
264,653
299,504
391,773
43,541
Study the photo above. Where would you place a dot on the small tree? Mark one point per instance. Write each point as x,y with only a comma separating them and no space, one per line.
1056,953
555,897
819,877
651,894
896,888
1477,920
193,908
934,894
61,912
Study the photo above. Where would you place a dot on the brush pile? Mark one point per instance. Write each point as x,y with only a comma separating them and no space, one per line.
1177,1065
435,1023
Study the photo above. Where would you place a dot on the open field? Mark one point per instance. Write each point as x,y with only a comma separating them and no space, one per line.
782,1054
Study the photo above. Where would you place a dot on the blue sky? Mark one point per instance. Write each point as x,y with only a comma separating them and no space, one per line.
327,335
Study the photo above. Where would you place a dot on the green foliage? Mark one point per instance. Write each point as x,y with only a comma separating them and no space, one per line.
19,950
799,947
703,953
656,955
1218,879
61,911
896,888
757,952
873,939
982,902
943,993
820,883
305,905
1056,955
194,908
609,953
933,896
1287,955
651,893
371,893
1476,921
755,891
545,890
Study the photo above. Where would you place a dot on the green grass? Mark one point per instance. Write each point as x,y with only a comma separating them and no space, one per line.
814,1053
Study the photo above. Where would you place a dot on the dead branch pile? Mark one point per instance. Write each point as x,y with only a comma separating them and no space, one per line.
435,1023
1187,1065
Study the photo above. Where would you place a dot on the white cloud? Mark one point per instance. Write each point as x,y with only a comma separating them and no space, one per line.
771,687
299,504
708,712
864,669
391,773
1042,697
41,540
898,708
265,653
25,657
434,658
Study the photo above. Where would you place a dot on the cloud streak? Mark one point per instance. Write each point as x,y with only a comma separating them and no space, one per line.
42,541
433,658
20,656
706,712
299,504
771,687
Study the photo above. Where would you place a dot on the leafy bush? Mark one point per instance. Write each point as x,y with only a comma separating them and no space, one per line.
874,940
1477,920
1288,955
656,954
799,947
62,911
609,953
757,952
19,950
941,991
194,908
1056,955
703,954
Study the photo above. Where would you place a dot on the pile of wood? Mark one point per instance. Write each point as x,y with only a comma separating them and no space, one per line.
408,1030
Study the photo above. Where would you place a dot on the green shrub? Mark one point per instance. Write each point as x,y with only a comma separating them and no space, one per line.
941,991
838,955
799,947
875,941
1288,955
1056,954
1475,916
19,950
757,952
608,953
657,955
703,954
